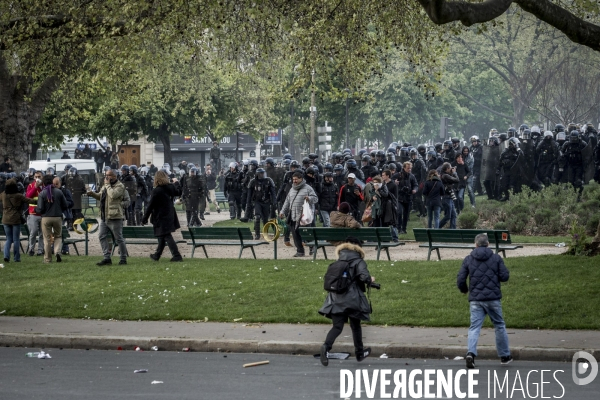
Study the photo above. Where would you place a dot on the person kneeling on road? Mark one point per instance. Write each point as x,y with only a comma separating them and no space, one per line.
352,304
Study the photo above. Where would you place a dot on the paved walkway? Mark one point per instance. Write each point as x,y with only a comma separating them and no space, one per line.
401,342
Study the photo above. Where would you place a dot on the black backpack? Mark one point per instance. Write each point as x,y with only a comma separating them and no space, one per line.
337,279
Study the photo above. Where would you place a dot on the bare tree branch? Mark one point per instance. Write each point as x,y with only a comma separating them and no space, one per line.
474,100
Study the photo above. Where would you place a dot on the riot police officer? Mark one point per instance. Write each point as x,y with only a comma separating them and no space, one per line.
77,188
131,186
145,174
261,192
574,158
476,149
546,158
419,170
449,154
509,179
248,176
233,191
434,160
141,193
352,168
367,168
192,192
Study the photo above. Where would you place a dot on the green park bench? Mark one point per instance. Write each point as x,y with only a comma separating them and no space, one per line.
221,236
71,240
380,238
221,199
436,239
24,237
134,235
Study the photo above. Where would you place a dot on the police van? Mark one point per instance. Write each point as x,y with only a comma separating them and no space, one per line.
85,168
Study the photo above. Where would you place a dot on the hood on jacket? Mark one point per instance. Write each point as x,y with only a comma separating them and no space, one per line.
169,189
344,251
482,253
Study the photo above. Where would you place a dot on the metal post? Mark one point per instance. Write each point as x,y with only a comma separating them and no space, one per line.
291,138
313,114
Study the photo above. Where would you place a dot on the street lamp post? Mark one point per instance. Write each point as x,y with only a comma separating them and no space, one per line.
291,138
347,131
313,114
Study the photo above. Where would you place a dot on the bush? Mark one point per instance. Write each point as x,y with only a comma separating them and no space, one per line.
467,220
517,223
500,226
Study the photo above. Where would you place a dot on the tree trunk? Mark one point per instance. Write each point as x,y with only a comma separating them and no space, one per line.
20,111
165,139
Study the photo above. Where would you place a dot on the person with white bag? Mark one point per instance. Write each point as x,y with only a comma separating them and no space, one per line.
294,207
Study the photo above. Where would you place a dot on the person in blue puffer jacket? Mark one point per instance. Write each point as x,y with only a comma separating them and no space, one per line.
485,271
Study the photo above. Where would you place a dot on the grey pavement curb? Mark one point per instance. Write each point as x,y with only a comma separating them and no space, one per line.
393,350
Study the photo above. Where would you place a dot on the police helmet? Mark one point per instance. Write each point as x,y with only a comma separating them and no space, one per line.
313,156
535,129
431,155
269,160
68,167
548,135
133,170
232,165
311,171
305,161
561,136
391,155
571,127
351,163
253,164
31,171
286,163
422,149
559,128
513,142
493,131
347,151
366,158
328,175
287,156
475,139
574,136
503,136
294,164
438,147
260,173
511,132
347,157
380,155
72,171
328,167
493,141
455,140
523,127
194,171
144,171
526,134
447,144
413,152
373,153
338,167
361,152
124,169
50,171
392,166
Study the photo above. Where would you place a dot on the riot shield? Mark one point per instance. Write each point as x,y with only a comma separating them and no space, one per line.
77,187
489,162
522,169
589,169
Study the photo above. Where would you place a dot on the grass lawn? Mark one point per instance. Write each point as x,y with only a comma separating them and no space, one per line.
546,292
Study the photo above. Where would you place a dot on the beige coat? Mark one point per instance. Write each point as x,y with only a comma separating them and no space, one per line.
341,220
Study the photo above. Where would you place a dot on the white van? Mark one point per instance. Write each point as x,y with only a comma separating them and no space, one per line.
86,168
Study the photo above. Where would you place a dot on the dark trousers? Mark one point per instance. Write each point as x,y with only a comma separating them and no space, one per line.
403,213
477,182
169,241
261,211
295,230
338,325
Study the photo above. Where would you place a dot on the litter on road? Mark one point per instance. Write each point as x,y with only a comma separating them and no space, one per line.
254,364
156,382
140,371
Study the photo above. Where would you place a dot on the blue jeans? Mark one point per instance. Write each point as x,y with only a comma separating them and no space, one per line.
433,213
460,197
478,311
13,234
470,191
449,213
326,220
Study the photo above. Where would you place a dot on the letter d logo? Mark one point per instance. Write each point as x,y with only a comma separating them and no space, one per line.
582,368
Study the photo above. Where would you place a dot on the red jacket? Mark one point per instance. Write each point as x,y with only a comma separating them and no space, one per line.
32,192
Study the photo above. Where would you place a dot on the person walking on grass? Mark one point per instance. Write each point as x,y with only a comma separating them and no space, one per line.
51,206
485,271
351,305
113,200
12,209
163,216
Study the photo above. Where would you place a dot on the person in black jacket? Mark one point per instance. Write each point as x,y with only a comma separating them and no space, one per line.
327,198
164,217
433,192
407,187
464,173
485,271
392,188
449,179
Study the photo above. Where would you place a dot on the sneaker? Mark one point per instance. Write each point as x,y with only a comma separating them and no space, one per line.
154,256
506,360
299,255
218,211
470,359
288,244
324,359
31,253
64,253
361,355
177,259
58,258
201,217
6,259
206,213
106,261
123,262
312,250
256,236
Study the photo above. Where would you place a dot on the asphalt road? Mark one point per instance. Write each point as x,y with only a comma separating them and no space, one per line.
80,374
